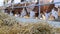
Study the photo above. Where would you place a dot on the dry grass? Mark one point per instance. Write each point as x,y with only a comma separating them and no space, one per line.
9,26
57,30
27,28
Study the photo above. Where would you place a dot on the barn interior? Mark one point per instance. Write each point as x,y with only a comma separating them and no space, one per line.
29,17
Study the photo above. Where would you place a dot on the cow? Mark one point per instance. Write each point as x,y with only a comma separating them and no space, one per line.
16,10
44,9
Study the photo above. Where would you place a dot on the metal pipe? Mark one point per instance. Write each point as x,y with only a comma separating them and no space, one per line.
39,9
36,5
12,3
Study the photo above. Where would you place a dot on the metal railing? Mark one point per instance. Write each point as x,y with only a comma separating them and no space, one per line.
35,5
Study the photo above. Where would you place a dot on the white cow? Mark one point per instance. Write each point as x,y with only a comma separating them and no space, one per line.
32,14
23,13
47,15
55,14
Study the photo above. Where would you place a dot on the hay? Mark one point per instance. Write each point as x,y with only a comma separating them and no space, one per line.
57,30
9,25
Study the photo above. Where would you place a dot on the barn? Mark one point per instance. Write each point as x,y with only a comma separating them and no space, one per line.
23,8
30,17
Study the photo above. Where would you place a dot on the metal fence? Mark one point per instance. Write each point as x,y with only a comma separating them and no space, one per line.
35,5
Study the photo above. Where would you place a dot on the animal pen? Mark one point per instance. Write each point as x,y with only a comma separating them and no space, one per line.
19,25
38,5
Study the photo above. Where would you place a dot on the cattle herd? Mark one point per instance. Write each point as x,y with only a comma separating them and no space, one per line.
32,11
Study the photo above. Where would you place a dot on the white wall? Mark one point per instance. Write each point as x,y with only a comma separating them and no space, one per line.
15,1
56,5
1,2
18,1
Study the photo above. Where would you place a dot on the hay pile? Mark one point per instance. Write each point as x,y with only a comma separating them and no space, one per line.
57,30
9,25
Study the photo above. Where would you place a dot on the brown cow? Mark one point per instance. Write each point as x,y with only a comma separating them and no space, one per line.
43,9
17,10
14,10
36,9
8,9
